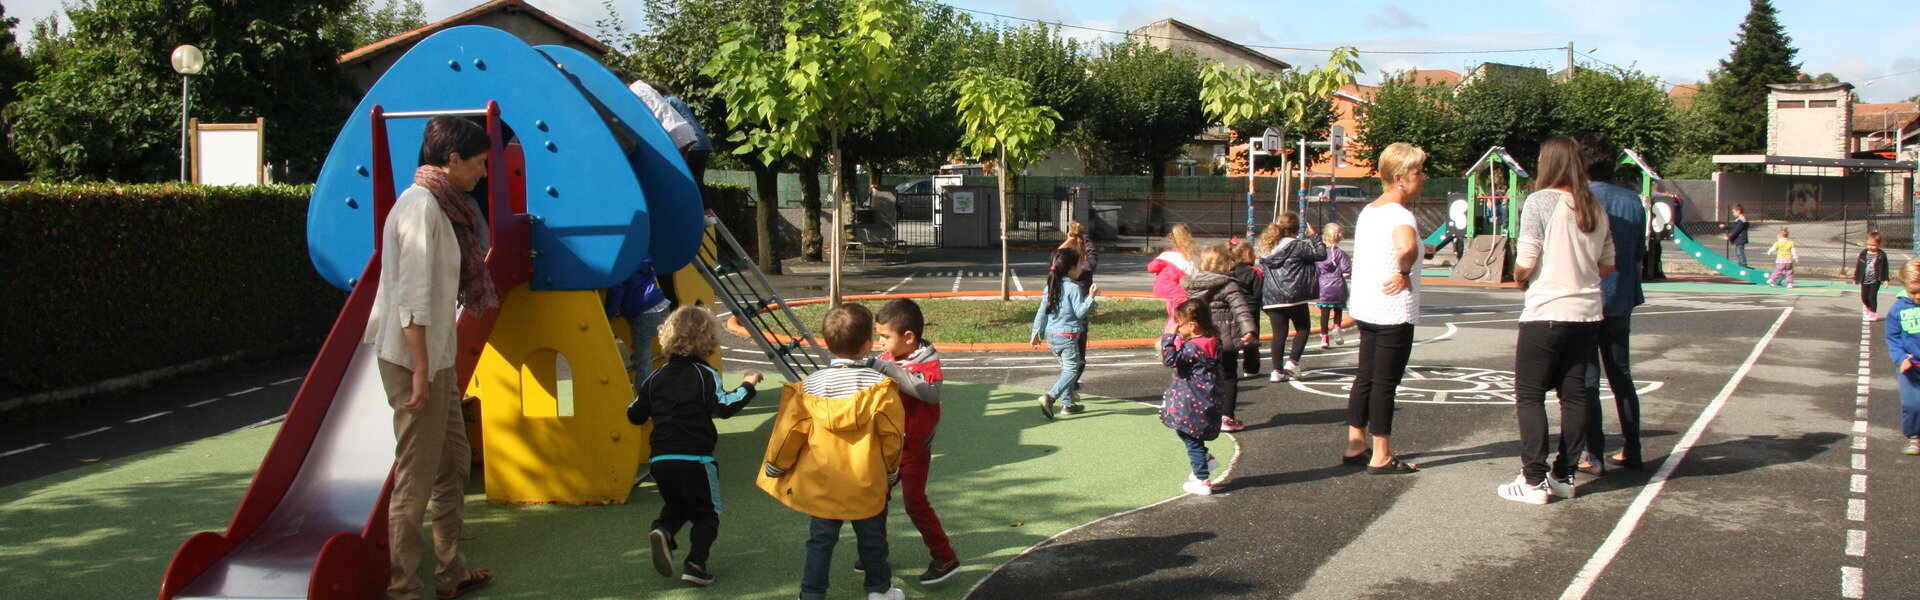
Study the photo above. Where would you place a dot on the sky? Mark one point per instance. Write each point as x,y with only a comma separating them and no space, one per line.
1677,41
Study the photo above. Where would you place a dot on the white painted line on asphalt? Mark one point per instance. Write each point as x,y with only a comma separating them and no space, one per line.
1859,442
956,282
1853,582
1590,573
204,402
1859,426
1863,380
1640,314
286,381
1860,462
1856,542
1857,484
246,391
1856,509
86,433
261,424
897,285
151,416
1016,280
26,449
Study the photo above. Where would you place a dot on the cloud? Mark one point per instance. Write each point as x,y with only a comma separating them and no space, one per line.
1393,17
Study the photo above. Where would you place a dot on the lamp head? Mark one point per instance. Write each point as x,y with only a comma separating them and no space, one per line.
188,60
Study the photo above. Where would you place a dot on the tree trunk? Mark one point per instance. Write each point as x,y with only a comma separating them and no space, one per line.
838,236
1006,212
766,212
810,205
1159,171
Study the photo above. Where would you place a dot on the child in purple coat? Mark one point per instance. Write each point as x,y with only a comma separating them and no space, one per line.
1191,407
1334,271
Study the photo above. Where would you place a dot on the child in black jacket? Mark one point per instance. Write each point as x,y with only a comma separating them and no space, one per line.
1869,272
681,399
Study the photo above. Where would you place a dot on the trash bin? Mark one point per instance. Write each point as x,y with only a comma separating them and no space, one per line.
1106,221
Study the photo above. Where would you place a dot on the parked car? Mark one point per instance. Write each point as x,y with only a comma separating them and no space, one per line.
915,199
1341,193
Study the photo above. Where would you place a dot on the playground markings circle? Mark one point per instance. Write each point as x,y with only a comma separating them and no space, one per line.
1425,384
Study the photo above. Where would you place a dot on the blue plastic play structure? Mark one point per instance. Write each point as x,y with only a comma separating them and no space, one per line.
583,185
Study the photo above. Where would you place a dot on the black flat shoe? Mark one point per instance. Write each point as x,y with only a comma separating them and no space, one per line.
1358,460
1630,463
1393,467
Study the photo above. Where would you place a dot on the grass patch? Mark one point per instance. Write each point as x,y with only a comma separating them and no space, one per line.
961,320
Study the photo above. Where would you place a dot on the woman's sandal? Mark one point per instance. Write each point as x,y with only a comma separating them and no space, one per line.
476,579
1630,463
1358,460
1393,467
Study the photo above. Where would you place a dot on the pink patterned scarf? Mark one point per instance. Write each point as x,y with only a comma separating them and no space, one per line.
476,287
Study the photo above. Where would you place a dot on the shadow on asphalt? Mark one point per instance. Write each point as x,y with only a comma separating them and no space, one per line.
1091,569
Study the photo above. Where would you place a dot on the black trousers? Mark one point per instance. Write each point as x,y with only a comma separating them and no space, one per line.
1296,316
1870,296
1551,355
1384,351
1250,355
689,493
697,164
1610,357
1230,380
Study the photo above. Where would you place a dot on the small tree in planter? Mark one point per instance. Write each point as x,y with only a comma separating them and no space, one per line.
998,116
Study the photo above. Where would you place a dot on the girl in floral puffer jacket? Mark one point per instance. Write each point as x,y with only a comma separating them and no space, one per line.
1191,407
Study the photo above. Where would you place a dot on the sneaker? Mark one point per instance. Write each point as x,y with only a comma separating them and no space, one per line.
1230,424
1560,487
1073,409
1046,406
1519,491
1326,341
1274,376
891,594
859,567
696,575
1197,486
1339,335
1789,286
938,572
662,552
1290,372
1913,447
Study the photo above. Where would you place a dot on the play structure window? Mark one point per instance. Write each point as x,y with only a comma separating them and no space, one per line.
546,385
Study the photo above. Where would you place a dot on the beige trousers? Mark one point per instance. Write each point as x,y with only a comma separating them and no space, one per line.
431,464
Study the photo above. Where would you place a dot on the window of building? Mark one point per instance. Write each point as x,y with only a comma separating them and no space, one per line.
1821,104
1791,104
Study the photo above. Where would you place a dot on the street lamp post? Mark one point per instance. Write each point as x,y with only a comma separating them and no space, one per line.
187,61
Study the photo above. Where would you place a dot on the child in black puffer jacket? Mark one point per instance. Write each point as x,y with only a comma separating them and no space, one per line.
1291,282
1231,307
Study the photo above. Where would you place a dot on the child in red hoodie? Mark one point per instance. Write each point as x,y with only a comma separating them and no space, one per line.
901,330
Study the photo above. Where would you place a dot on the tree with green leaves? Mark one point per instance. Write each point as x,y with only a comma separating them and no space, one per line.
1000,117
1737,107
1249,102
366,23
679,40
106,107
1514,109
1143,105
14,70
840,62
936,43
1410,111
1628,107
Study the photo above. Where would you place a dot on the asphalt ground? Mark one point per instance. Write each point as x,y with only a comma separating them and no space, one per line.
1790,486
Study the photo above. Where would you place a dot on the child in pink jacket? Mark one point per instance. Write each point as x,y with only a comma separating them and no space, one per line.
1172,266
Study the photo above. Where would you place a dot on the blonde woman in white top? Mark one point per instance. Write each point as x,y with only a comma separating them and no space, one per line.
1565,249
1385,301
432,266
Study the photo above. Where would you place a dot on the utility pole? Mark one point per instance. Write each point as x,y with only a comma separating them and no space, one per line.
1569,59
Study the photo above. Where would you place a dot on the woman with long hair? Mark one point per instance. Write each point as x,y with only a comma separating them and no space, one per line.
1289,284
1565,249
1384,299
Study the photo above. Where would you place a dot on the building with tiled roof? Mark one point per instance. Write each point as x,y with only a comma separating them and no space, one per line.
367,63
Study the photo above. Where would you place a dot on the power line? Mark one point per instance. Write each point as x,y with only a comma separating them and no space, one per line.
1886,76
1622,69
1262,47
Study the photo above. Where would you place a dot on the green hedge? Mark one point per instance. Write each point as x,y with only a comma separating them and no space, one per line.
109,280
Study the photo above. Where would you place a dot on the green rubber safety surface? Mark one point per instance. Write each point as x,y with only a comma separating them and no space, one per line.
988,320
1003,480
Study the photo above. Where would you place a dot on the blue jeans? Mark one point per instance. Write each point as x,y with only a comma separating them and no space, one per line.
1196,455
1067,349
1909,403
1610,352
870,535
645,327
1740,254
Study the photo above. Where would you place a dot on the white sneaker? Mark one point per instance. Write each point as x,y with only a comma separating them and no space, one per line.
1274,376
1338,335
890,594
1563,489
1290,372
1519,491
1197,486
